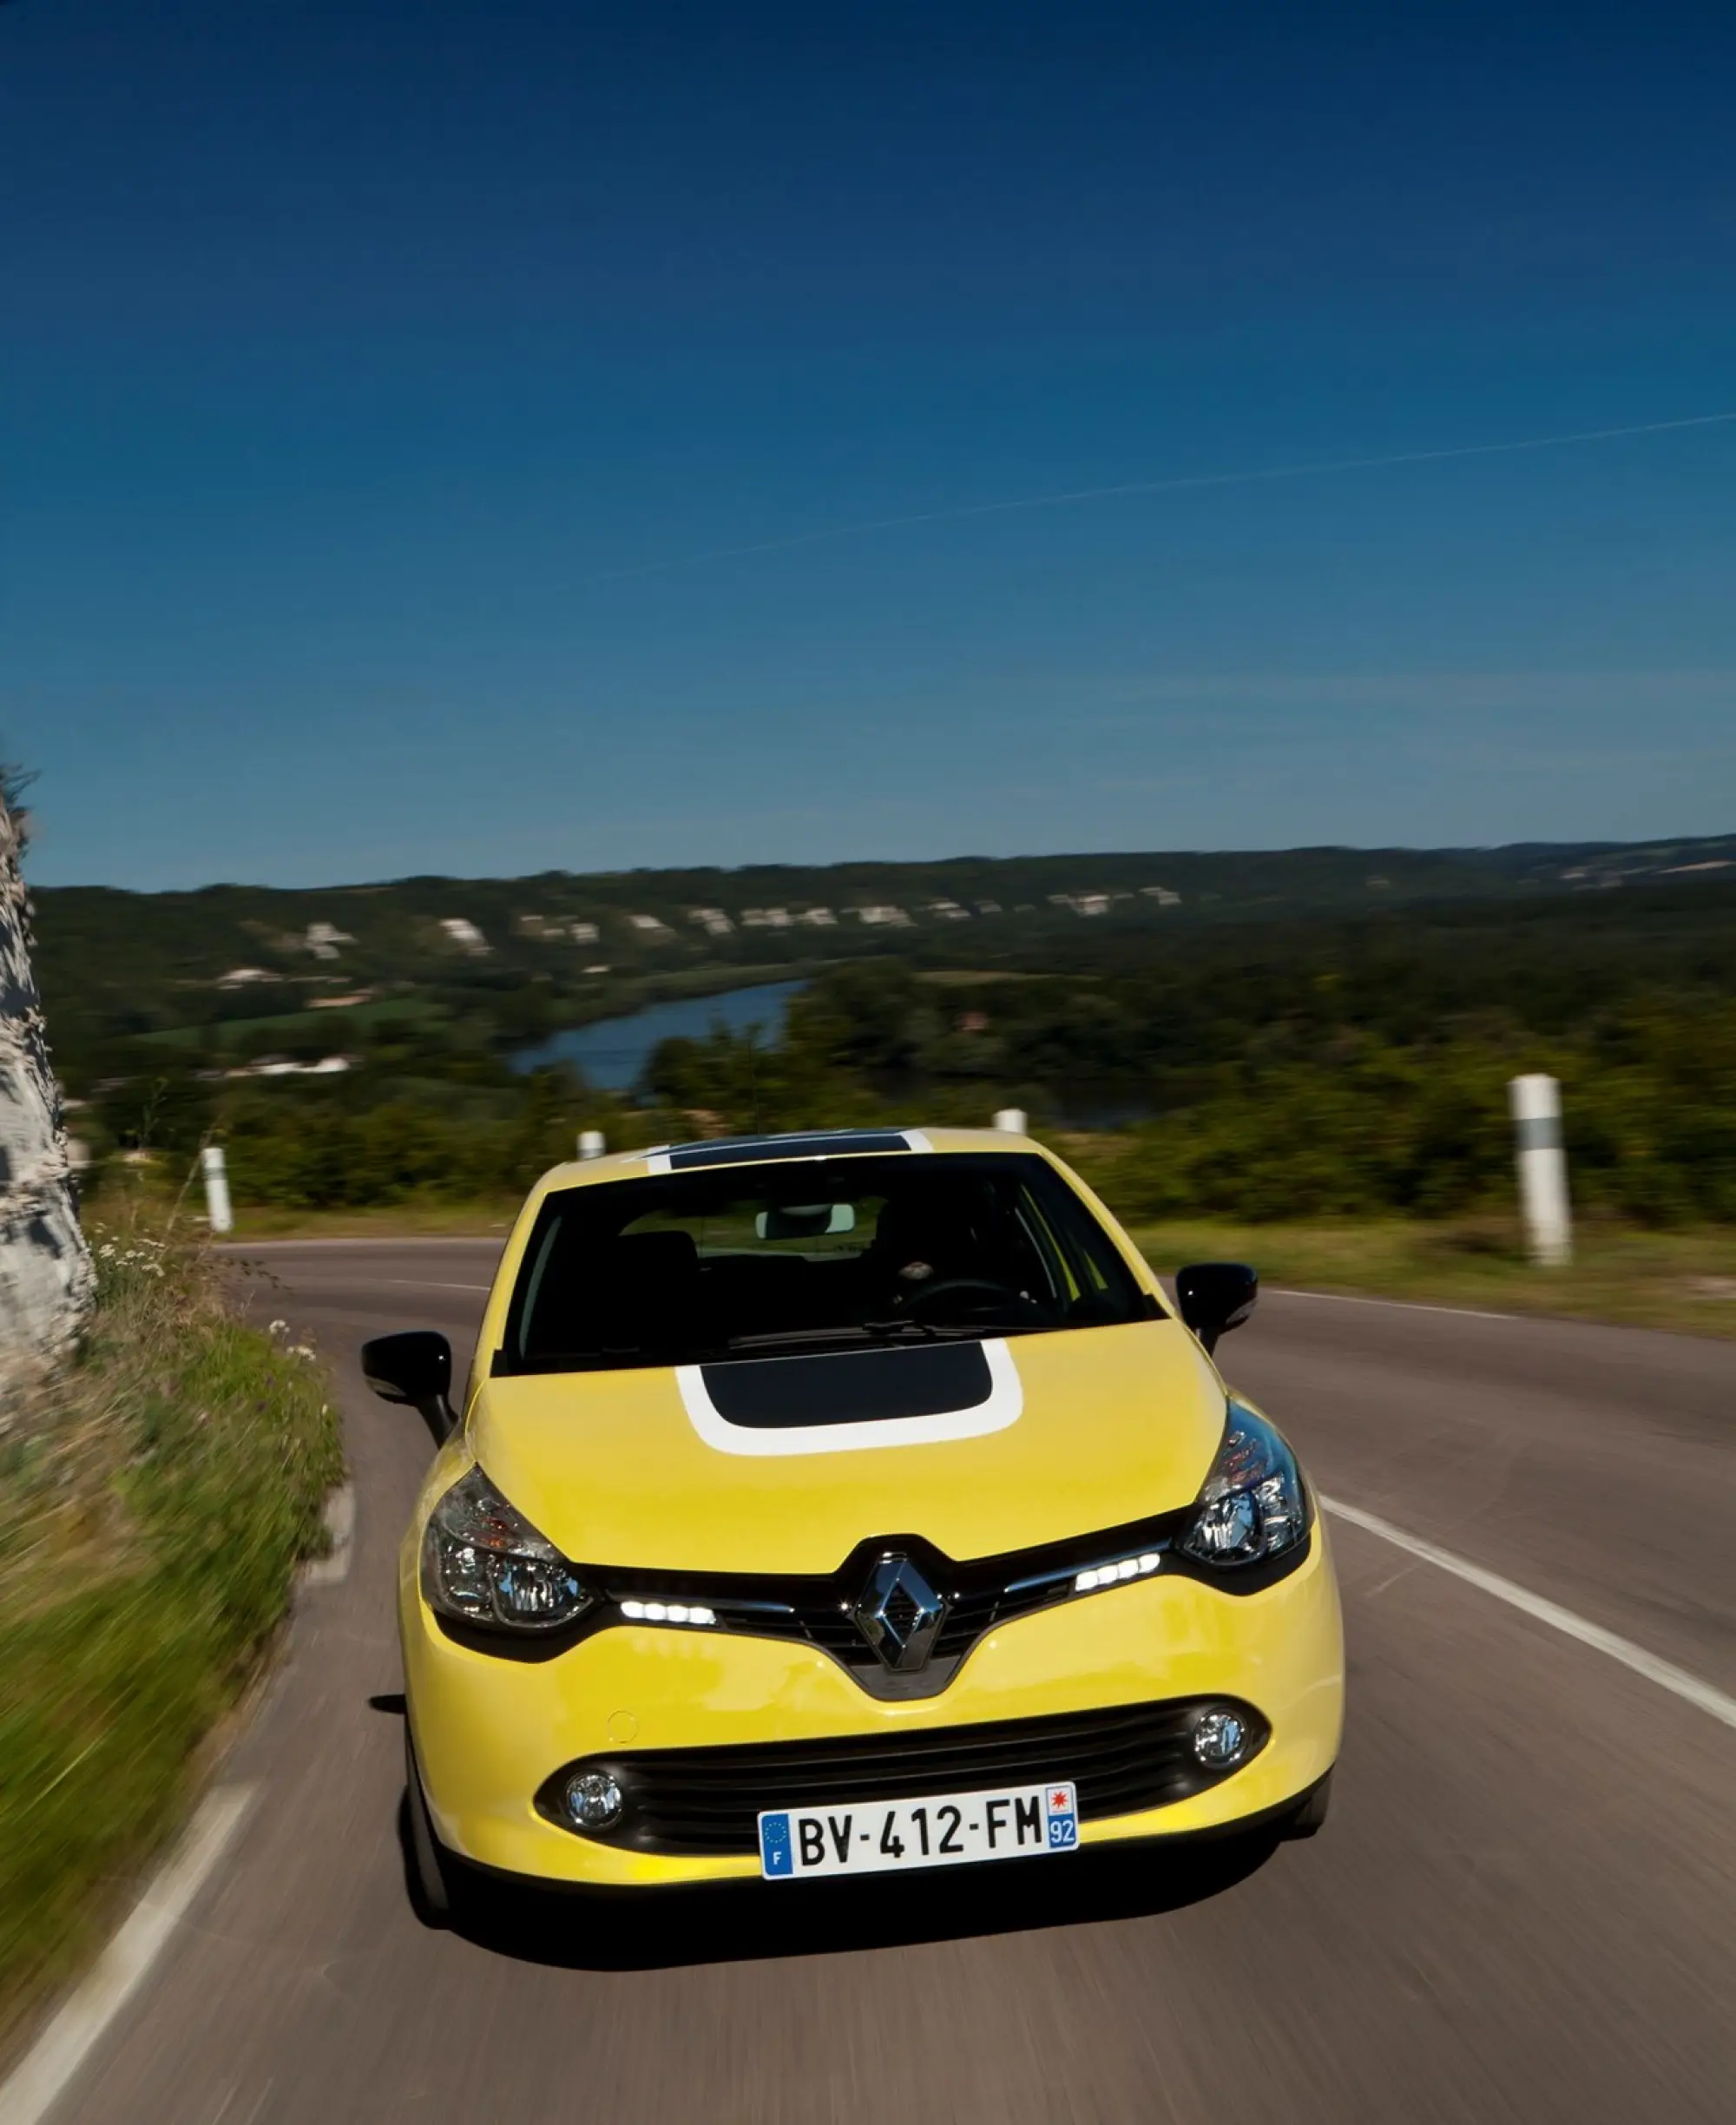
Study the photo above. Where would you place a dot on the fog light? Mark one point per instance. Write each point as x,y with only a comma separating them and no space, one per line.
1219,1739
594,1800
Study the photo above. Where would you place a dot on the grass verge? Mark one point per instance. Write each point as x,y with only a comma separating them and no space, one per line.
154,1502
432,1219
1681,1280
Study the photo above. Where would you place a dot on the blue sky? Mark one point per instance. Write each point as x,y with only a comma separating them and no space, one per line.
386,388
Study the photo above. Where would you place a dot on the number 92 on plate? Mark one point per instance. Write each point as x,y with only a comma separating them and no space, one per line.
884,1837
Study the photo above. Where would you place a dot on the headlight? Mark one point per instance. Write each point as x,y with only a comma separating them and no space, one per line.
1252,1505
483,1563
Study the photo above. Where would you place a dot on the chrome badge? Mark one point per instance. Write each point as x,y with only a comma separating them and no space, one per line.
900,1614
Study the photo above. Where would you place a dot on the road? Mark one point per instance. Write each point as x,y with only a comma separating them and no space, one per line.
1522,1908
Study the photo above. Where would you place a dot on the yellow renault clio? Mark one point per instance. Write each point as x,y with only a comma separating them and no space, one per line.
837,1504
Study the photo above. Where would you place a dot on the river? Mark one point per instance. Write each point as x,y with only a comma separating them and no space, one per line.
613,1052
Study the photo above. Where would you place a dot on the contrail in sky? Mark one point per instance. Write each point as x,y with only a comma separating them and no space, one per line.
1162,486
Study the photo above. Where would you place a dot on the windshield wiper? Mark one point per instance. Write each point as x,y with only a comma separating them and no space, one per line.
893,1332
856,1331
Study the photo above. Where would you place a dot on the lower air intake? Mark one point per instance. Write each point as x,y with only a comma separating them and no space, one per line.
707,1801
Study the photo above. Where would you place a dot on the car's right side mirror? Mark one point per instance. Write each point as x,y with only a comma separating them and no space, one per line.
1215,1297
415,1367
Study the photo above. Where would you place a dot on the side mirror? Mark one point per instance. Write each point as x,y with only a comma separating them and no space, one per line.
415,1368
1215,1297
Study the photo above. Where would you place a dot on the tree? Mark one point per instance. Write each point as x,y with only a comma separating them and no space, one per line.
46,1281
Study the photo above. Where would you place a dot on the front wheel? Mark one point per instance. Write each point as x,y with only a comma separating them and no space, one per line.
1311,1815
431,1885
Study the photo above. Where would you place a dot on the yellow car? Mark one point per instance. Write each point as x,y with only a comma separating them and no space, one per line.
834,1504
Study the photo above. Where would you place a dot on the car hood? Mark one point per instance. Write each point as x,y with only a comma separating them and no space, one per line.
1108,1425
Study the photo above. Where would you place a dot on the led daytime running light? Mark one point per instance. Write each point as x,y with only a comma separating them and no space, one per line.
666,1612
1116,1573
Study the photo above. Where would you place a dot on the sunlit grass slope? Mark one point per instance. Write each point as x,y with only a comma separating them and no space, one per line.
154,1504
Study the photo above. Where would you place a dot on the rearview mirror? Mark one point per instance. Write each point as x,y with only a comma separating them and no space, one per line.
415,1368
804,1220
1215,1297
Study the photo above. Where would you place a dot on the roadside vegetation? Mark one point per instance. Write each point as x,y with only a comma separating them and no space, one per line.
548,951
154,1501
1258,1068
1277,1072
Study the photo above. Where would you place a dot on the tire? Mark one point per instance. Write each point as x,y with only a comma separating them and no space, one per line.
1311,1817
430,1868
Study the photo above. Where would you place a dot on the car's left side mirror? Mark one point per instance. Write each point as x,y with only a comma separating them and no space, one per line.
415,1367
1215,1297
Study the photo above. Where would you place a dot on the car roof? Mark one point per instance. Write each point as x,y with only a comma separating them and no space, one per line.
790,1145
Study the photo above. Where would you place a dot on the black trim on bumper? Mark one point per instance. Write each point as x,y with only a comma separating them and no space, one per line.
705,1802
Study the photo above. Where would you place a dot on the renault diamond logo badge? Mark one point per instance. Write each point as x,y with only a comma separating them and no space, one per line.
900,1613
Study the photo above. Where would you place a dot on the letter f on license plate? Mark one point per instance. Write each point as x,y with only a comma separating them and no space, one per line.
945,1830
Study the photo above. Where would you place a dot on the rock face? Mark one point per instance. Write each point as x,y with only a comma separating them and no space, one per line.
45,1272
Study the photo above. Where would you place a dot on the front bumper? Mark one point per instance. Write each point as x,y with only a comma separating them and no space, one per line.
490,1730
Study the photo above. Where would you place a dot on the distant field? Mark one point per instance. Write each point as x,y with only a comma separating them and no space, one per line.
108,960
433,1220
621,999
231,1031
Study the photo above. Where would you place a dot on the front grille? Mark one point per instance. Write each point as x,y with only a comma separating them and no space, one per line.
706,1801
824,1620
981,1595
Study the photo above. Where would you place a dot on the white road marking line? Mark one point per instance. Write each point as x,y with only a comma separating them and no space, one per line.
333,1568
427,1283
67,2042
1400,1305
1665,1674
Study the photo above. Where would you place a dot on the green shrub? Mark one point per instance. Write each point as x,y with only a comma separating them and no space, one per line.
154,1504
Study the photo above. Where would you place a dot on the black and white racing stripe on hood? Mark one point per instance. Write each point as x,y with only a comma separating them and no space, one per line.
843,1401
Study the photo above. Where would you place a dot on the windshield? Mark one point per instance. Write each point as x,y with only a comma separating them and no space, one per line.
748,1261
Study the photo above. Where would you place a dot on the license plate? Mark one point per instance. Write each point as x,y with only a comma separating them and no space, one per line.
948,1830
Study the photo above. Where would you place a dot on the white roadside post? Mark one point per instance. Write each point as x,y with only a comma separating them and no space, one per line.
216,1189
1012,1119
591,1144
1537,1105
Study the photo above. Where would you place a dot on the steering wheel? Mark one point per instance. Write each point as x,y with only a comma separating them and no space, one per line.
919,1300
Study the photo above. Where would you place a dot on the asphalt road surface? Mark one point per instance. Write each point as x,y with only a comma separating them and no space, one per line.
1523,1907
